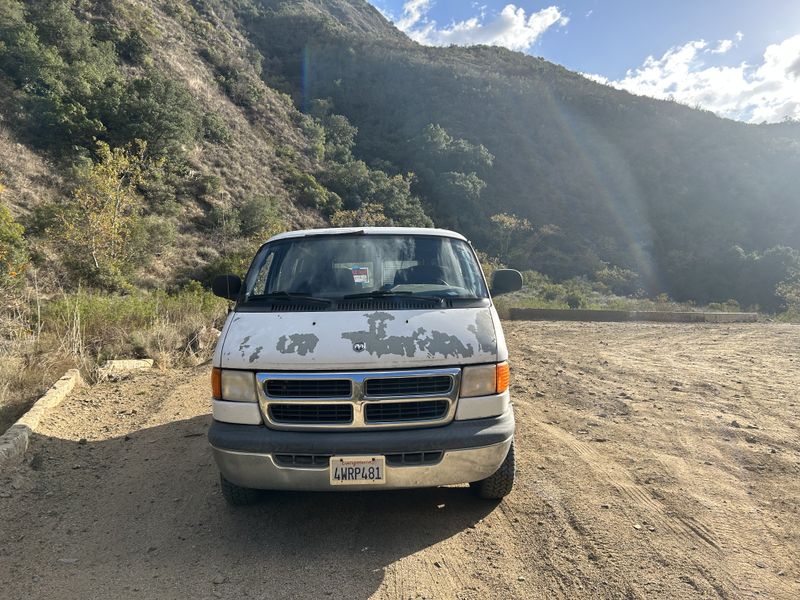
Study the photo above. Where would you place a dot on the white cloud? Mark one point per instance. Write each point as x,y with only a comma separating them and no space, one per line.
722,47
768,91
413,12
512,27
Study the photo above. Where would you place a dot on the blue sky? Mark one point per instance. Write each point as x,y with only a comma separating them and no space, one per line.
739,58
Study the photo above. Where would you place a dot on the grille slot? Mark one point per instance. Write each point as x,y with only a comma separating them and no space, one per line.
409,386
408,459
381,412
390,304
302,460
297,307
311,414
308,388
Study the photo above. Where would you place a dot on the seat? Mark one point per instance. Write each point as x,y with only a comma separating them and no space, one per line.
343,281
420,274
336,280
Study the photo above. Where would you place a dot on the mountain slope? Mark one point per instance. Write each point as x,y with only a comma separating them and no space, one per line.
264,114
645,184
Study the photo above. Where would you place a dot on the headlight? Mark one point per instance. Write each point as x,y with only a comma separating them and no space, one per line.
484,380
235,386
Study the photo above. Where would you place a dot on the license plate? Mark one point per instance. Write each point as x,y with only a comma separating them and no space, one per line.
358,470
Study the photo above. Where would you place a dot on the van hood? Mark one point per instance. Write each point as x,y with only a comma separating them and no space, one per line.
307,341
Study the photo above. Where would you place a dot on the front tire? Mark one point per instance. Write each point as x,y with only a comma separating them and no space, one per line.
236,495
500,483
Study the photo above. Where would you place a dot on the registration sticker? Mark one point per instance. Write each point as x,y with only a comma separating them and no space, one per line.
358,470
360,274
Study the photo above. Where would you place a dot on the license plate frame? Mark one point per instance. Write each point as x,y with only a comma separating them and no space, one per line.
357,470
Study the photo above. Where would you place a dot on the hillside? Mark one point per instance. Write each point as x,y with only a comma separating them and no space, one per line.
264,114
648,185
226,159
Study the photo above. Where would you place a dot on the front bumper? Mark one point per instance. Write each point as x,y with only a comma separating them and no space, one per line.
471,451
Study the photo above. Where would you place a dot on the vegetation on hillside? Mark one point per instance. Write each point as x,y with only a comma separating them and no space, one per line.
696,206
654,195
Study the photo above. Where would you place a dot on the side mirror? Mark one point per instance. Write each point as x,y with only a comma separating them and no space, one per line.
505,281
226,286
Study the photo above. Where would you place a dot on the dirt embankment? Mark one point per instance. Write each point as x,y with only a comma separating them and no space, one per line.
655,461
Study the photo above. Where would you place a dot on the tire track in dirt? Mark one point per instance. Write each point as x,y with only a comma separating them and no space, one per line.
715,512
638,502
658,515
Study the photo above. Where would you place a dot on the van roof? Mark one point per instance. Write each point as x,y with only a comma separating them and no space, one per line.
369,231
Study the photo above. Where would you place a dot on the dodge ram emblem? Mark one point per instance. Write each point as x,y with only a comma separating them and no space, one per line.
359,346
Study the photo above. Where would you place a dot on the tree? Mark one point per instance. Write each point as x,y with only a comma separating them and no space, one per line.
356,184
442,152
95,226
508,228
789,292
156,109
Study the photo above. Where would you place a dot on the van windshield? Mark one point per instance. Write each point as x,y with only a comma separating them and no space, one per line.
326,268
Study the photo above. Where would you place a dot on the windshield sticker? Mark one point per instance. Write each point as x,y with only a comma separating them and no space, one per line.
298,343
362,271
375,341
360,275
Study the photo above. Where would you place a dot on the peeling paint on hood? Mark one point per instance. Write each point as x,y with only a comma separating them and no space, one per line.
376,341
359,340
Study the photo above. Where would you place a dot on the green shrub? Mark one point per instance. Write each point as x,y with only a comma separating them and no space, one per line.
366,215
727,306
309,192
13,250
215,130
208,185
260,217
575,300
619,281
134,48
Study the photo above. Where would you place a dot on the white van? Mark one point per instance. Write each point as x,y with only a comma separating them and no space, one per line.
360,359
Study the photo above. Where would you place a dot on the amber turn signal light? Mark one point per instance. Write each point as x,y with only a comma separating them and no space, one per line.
502,378
216,383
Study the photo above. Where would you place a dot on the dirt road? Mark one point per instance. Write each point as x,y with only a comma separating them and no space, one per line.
655,461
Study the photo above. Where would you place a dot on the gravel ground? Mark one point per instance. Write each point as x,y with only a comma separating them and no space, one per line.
655,460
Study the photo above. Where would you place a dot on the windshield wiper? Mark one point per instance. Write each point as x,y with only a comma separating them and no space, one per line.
291,297
391,294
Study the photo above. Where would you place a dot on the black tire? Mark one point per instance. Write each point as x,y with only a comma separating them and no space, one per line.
500,483
235,495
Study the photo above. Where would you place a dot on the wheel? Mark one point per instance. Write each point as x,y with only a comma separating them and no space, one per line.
235,495
498,484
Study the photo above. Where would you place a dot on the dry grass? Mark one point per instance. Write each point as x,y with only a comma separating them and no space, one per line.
42,338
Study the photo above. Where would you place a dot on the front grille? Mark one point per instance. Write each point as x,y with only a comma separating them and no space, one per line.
302,460
311,414
308,388
382,412
410,459
409,386
339,400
